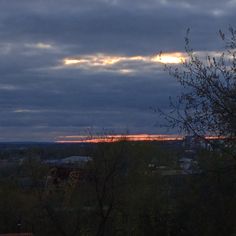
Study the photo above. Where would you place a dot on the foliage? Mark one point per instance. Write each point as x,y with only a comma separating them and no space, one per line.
122,195
208,103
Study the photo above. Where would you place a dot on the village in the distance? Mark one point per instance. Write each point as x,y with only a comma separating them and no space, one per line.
66,157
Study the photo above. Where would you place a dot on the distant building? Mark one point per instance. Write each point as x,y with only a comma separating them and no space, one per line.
62,169
194,142
189,166
76,160
72,161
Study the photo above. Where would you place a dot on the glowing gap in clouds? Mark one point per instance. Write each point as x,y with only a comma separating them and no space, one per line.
172,58
105,60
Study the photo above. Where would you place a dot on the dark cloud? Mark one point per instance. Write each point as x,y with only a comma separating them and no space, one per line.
41,99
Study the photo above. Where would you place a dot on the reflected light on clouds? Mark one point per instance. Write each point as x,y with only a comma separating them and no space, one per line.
104,60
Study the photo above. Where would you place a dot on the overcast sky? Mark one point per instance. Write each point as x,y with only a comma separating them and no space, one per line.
70,67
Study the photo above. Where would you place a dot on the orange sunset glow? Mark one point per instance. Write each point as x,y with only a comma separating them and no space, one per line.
129,138
117,138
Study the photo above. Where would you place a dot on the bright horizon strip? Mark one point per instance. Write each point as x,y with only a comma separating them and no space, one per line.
104,60
130,137
117,138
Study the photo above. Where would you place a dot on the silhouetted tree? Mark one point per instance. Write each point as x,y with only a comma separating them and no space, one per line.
208,103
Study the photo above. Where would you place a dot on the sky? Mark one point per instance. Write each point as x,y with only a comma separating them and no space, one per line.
72,67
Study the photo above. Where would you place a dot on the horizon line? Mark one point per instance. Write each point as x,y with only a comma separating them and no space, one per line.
128,138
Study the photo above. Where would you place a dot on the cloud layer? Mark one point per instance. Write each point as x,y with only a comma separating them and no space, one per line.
116,74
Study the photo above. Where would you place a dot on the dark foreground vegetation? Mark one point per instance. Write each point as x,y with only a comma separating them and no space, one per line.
127,189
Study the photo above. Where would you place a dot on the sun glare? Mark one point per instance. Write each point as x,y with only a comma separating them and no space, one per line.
171,58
